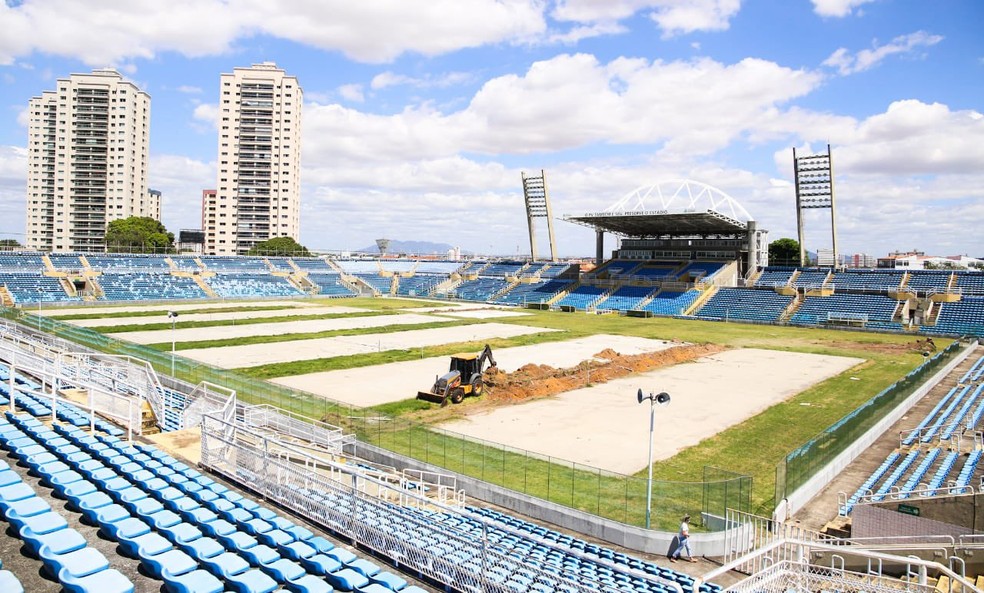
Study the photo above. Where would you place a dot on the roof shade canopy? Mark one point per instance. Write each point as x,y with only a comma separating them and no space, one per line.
677,207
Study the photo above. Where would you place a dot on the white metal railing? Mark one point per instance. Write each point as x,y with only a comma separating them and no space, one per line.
360,507
783,566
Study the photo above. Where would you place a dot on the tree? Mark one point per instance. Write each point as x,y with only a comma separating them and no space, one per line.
279,246
784,252
10,244
138,234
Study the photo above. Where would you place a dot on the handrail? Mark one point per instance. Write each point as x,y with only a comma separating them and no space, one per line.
802,547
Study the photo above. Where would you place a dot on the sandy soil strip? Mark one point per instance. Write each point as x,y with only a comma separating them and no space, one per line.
54,310
260,354
222,316
604,426
484,313
276,328
371,386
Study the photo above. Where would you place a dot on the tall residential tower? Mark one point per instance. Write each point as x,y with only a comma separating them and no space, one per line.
87,161
258,191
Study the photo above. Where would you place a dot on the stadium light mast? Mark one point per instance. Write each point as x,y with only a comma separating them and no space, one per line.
662,399
814,180
538,206
173,316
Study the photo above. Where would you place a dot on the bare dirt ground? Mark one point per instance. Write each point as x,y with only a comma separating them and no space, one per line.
603,425
396,381
219,316
100,308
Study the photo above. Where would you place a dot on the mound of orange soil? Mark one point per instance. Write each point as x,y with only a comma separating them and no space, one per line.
533,381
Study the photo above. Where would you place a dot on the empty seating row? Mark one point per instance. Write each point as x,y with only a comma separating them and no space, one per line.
32,287
741,304
120,263
581,297
863,307
329,284
233,264
251,285
534,292
625,298
480,289
148,286
881,280
671,303
62,550
964,317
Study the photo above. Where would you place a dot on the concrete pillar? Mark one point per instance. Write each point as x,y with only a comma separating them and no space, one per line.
599,246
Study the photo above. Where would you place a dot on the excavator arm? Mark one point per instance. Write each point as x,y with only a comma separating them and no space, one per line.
486,356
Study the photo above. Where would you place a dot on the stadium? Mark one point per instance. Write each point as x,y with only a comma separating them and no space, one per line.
243,423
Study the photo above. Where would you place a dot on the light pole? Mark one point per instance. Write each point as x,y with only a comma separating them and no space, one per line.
173,316
662,398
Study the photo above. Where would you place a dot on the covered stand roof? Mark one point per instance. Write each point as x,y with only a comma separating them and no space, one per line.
670,208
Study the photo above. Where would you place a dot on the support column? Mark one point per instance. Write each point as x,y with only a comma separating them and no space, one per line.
752,240
599,246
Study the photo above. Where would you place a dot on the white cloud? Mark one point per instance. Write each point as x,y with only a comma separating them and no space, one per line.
389,79
352,92
189,90
672,16
845,63
13,189
146,28
207,113
837,8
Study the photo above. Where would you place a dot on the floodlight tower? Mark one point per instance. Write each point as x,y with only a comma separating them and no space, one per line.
814,175
538,206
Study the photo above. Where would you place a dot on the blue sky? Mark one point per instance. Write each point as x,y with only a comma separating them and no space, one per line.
420,115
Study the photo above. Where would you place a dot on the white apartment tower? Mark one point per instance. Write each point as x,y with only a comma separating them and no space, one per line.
87,161
257,196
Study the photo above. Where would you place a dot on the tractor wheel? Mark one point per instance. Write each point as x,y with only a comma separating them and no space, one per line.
477,386
457,395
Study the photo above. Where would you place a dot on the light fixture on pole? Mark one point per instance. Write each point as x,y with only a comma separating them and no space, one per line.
173,316
662,399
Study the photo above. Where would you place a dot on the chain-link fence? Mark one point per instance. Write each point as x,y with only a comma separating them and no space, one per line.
801,464
590,489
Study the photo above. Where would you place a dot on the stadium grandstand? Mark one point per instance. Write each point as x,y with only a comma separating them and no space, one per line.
99,497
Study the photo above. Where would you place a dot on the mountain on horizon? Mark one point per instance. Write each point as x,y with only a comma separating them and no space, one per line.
417,247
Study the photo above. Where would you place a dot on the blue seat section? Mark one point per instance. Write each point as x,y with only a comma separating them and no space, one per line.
916,477
869,484
503,269
418,284
773,277
880,280
871,307
240,285
445,268
917,432
945,416
700,270
967,472
671,303
235,264
927,281
655,271
383,284
313,264
356,266
811,278
956,419
186,529
970,282
964,317
9,583
896,475
480,289
62,550
23,261
942,472
140,286
186,264
40,406
534,292
514,547
65,261
748,305
625,298
280,264
32,287
121,264
554,270
581,297
329,283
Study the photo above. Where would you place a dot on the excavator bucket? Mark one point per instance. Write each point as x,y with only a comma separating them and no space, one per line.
430,396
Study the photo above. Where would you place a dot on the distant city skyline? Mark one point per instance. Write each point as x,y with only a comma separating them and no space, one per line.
419,120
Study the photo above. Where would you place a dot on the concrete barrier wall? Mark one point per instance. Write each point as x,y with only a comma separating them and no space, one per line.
802,495
613,532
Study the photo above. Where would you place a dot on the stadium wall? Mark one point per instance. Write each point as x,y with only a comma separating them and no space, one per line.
621,534
795,500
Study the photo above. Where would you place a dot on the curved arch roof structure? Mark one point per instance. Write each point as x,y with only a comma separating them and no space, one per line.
674,207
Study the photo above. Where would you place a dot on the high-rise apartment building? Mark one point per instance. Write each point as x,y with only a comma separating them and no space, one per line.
257,195
87,148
